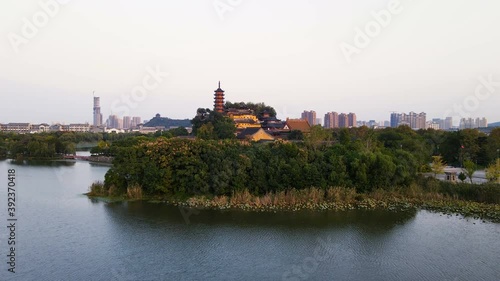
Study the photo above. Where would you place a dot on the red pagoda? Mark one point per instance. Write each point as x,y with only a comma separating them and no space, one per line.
219,100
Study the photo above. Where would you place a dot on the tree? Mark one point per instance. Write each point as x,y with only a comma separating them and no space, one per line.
493,172
180,131
223,126
317,135
493,145
462,177
296,135
258,108
206,132
437,165
469,169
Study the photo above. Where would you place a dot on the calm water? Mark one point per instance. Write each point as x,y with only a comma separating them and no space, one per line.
62,235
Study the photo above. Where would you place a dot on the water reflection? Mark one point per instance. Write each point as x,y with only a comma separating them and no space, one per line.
46,163
371,221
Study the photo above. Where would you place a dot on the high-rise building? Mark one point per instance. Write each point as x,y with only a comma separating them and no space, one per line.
413,120
343,120
127,121
135,121
371,124
470,123
310,116
97,112
113,122
331,120
481,122
351,120
219,100
395,119
448,123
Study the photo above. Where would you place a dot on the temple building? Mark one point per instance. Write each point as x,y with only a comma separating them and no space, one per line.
243,118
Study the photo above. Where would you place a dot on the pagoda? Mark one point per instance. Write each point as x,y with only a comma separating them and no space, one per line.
219,100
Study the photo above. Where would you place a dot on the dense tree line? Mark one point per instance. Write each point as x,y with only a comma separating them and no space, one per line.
51,145
258,108
359,157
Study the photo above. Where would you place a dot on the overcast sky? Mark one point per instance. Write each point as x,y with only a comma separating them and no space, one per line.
293,55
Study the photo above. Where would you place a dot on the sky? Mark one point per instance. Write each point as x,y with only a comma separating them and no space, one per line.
370,57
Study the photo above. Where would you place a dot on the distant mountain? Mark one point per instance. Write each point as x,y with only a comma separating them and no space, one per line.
167,122
496,124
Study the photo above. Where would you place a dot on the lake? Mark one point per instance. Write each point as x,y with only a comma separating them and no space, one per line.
63,235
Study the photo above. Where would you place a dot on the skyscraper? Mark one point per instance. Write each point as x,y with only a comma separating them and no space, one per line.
310,116
97,112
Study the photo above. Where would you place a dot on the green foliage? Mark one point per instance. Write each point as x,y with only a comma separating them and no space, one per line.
437,165
493,172
158,121
55,145
180,131
296,135
469,169
484,193
359,158
215,125
177,166
462,177
318,135
258,108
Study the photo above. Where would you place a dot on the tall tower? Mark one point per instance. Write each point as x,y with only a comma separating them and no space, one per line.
97,112
219,100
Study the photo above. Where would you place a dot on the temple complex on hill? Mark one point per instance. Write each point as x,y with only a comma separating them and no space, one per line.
250,127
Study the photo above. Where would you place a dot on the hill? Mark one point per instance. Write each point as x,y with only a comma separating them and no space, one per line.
496,124
167,122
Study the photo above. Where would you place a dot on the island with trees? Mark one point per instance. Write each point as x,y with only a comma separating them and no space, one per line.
329,169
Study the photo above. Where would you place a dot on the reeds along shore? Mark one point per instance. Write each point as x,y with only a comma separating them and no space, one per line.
460,200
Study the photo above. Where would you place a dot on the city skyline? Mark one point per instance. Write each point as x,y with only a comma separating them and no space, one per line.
330,120
293,57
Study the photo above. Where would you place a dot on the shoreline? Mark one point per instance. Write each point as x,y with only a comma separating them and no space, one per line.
447,206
